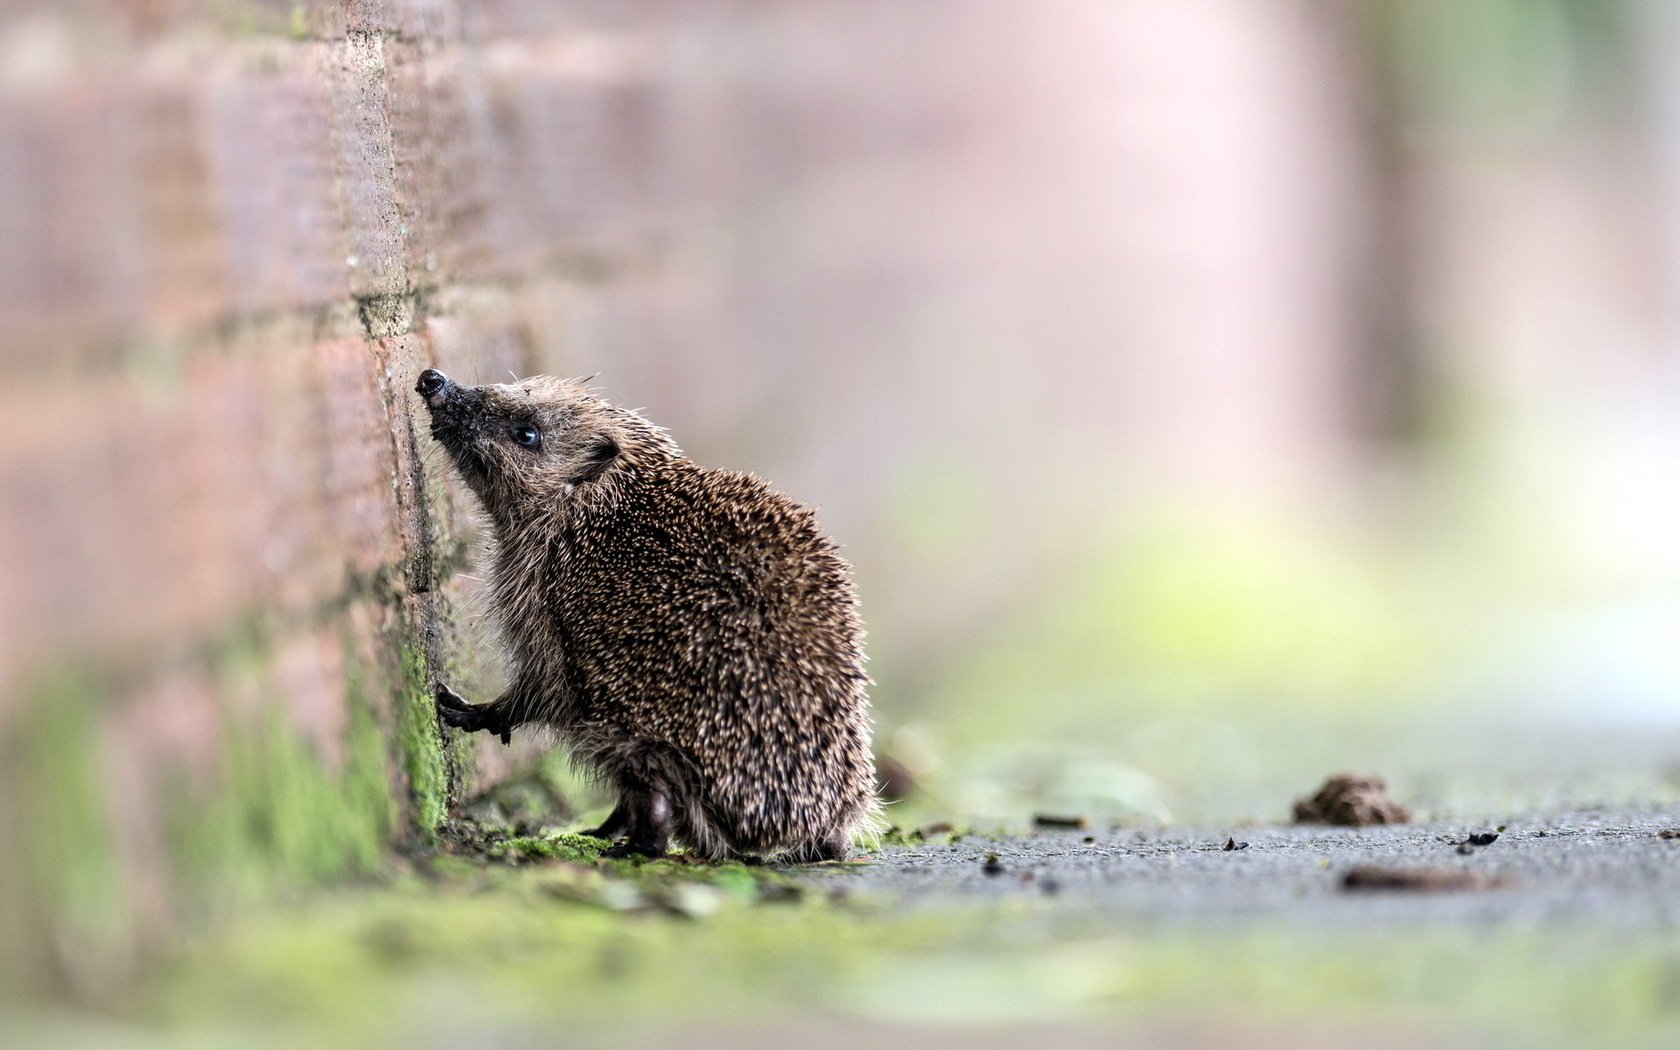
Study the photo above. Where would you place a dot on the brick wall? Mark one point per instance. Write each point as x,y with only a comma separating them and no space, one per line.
233,234
858,247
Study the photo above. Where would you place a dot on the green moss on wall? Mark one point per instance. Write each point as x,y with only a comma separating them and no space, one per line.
279,815
420,746
269,811
63,894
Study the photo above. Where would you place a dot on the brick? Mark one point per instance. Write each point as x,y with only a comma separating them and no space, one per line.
367,628
169,736
534,18
186,280
69,275
143,21
252,482
307,676
481,342
332,468
413,19
362,133
277,185
437,142
156,207
294,18
261,181
357,449
566,144
164,736
173,718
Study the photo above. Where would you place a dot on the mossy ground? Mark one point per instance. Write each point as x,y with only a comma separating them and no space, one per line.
533,938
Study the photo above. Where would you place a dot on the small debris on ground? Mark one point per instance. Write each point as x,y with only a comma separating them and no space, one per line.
1669,833
1052,820
1480,838
942,827
1347,800
992,866
1231,845
1429,880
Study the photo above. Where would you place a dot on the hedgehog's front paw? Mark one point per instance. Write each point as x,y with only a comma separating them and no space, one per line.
472,718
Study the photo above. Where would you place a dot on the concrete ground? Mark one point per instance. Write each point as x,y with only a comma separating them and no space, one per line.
1613,867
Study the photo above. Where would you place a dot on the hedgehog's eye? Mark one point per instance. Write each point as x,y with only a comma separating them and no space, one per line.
525,435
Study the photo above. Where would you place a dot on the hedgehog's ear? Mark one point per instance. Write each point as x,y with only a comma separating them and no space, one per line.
596,457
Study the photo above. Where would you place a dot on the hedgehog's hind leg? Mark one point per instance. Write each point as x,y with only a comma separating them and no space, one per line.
647,825
616,824
645,777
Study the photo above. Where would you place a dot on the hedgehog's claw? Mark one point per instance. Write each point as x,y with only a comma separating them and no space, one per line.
627,850
457,712
471,718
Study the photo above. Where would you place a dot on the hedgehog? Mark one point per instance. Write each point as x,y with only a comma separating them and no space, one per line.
690,634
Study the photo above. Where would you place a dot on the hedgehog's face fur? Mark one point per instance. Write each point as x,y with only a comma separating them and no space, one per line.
534,440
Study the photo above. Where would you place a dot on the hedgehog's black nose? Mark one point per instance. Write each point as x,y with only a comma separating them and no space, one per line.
431,384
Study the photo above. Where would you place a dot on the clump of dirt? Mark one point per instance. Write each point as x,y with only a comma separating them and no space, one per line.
1059,821
1427,880
1352,801
1480,839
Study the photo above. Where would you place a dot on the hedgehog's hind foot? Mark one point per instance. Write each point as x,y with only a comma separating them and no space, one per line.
648,823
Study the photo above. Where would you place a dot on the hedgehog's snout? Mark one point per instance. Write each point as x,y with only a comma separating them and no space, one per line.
435,387
448,402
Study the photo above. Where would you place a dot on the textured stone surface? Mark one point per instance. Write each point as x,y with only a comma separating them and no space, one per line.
1611,867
